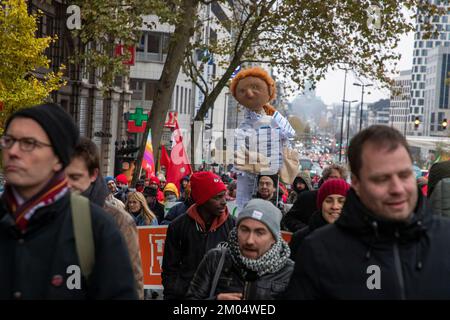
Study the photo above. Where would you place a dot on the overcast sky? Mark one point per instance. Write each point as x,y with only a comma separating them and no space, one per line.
331,89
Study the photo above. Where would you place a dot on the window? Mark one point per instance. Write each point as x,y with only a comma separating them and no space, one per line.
140,47
153,46
176,101
429,44
153,43
138,89
189,103
212,37
185,100
181,100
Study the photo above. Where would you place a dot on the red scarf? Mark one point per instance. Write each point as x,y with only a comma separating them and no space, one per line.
55,189
217,222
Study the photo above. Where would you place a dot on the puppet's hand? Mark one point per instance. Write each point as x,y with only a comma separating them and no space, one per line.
250,161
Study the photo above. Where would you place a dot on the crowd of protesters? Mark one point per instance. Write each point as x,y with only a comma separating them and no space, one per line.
373,235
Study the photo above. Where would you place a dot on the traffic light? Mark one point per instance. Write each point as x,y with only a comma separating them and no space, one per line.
416,123
444,124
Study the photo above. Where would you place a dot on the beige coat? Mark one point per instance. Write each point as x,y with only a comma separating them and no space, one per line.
129,231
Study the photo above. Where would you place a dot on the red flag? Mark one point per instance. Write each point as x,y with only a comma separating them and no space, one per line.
165,160
179,161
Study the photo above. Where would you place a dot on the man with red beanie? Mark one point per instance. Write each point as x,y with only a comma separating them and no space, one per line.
155,184
205,225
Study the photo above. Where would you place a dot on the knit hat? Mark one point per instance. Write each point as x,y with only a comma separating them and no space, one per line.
256,72
108,179
329,187
172,188
154,179
263,211
121,178
438,171
274,178
57,124
205,185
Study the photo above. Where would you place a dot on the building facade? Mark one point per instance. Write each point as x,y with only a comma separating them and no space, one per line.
419,70
97,113
400,99
437,91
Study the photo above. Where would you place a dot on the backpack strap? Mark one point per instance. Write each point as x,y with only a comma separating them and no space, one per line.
218,272
82,229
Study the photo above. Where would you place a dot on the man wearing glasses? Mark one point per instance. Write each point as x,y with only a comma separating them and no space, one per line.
39,257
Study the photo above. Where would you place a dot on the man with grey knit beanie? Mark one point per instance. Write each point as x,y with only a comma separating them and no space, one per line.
254,266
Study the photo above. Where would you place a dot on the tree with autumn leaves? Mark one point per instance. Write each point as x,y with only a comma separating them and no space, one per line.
303,39
24,76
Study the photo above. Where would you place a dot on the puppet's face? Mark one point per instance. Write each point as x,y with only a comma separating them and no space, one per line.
252,93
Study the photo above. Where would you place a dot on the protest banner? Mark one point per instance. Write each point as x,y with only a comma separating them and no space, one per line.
151,244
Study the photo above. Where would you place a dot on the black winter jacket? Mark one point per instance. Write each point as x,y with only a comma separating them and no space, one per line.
268,287
35,265
304,207
174,212
185,246
158,209
316,221
361,256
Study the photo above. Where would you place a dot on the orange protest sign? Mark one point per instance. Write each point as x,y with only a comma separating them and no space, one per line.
151,244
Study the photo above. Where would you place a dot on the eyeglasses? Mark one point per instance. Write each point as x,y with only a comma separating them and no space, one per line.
25,144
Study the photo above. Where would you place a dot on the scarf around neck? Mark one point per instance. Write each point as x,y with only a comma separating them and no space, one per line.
270,262
55,189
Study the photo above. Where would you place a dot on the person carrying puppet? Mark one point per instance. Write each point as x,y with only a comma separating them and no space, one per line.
261,141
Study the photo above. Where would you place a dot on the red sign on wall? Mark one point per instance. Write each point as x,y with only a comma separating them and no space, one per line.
120,51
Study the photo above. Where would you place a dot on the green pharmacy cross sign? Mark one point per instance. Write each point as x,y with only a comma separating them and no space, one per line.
137,121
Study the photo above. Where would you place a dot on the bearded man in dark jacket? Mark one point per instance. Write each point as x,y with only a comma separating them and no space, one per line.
38,255
205,225
386,244
256,264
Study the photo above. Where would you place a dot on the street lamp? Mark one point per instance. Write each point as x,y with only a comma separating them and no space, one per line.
362,99
343,106
348,119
